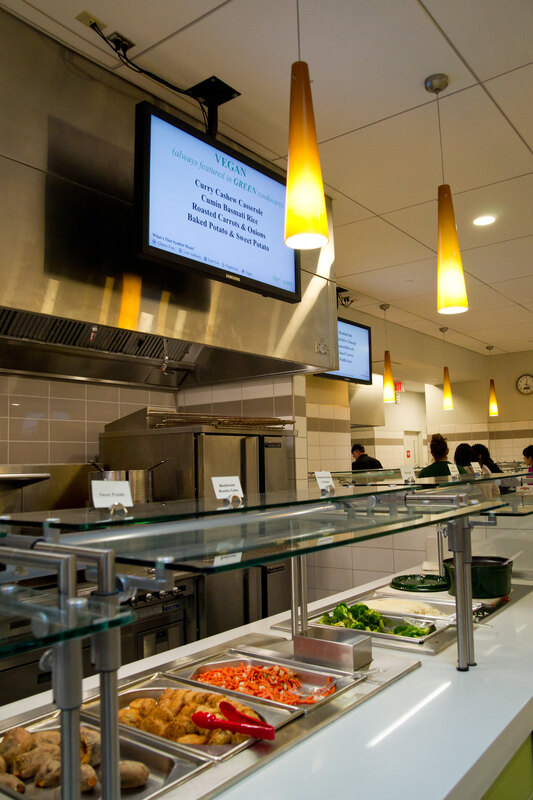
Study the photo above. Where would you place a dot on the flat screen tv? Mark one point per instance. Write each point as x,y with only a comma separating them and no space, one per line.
355,353
206,207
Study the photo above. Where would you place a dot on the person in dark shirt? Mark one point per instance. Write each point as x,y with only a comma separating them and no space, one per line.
439,451
362,460
483,456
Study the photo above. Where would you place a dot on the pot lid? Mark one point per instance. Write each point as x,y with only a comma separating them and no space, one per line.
420,583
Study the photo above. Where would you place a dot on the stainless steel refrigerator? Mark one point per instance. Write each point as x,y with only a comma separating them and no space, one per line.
263,458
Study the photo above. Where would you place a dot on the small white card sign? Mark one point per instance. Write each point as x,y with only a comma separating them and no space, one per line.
324,479
226,487
408,473
454,472
476,467
107,493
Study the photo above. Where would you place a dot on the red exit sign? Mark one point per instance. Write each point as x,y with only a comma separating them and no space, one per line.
399,387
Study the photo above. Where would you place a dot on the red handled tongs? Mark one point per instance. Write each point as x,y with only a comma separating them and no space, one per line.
235,721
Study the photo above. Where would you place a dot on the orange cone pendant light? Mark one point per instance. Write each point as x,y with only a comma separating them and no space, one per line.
493,403
389,395
306,222
451,288
447,399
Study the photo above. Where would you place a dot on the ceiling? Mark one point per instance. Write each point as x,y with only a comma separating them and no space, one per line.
377,129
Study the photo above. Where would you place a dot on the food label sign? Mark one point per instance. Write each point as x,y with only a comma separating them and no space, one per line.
107,493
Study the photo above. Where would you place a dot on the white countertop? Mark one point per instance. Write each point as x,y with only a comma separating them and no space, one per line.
434,734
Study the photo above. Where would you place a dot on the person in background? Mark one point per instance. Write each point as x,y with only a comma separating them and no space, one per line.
362,460
483,456
439,451
464,457
528,457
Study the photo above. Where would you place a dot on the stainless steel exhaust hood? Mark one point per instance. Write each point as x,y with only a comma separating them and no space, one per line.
49,346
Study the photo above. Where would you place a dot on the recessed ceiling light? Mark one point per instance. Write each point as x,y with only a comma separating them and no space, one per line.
486,220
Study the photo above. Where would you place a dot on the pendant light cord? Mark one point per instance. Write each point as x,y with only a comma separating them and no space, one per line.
298,27
440,138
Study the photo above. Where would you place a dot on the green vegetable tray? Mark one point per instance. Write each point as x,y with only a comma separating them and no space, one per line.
392,621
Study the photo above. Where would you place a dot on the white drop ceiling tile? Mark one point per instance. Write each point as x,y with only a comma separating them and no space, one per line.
512,91
368,60
520,289
371,244
479,145
501,316
345,210
509,201
236,44
402,280
389,165
509,260
497,334
493,36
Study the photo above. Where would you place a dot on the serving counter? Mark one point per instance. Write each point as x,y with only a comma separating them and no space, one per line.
377,748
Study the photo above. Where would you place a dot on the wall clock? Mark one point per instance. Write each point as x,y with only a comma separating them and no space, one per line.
524,384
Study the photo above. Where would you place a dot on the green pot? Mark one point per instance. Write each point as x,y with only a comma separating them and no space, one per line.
491,576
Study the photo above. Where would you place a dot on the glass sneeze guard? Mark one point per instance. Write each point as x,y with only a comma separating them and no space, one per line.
266,531
50,619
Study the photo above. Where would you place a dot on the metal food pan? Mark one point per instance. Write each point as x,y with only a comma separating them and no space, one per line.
313,679
446,606
391,620
167,768
153,686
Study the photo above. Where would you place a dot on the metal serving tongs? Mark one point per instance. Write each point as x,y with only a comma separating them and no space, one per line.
235,721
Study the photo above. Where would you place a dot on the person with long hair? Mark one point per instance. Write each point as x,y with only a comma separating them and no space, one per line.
464,457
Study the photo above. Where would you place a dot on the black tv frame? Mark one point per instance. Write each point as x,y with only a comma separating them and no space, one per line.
143,249
346,378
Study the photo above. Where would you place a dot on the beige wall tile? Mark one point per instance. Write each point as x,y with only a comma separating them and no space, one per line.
67,453
164,399
408,559
4,431
3,452
92,431
28,429
105,394
63,408
4,384
39,387
67,431
103,412
73,389
35,407
3,405
378,559
28,453
137,396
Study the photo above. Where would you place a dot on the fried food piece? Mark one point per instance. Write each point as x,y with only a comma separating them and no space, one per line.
163,713
90,746
2,765
219,737
133,774
214,699
192,738
245,710
166,696
46,737
151,724
174,730
128,716
12,782
88,778
144,705
15,742
49,773
26,765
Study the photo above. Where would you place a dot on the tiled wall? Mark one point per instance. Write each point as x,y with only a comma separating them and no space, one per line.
57,422
505,440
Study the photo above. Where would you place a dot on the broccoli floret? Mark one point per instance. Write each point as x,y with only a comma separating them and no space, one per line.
358,609
325,619
340,612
